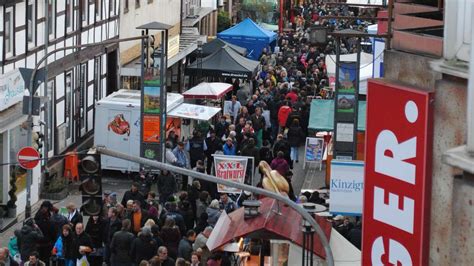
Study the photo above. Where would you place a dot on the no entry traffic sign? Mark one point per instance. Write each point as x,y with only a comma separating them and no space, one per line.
28,157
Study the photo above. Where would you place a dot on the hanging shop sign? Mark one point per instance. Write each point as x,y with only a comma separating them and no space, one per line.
12,89
346,187
397,190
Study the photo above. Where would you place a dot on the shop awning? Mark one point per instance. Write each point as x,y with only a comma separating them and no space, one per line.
268,225
216,44
194,111
208,90
321,116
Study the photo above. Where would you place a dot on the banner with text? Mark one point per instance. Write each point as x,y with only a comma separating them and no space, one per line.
346,187
231,168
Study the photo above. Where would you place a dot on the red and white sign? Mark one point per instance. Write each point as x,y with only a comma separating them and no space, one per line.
397,192
28,157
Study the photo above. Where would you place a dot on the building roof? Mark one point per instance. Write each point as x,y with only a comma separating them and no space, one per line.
155,26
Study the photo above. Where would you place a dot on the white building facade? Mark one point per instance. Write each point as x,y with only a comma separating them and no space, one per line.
76,79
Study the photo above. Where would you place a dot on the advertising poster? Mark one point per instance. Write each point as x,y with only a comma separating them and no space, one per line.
346,187
151,100
314,149
346,103
151,128
347,77
231,168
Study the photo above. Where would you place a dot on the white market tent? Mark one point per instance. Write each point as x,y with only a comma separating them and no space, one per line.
366,67
208,90
193,111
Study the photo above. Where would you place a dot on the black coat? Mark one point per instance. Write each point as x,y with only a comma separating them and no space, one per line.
144,247
121,246
111,227
27,239
129,195
295,136
284,146
96,232
80,240
185,249
77,218
213,145
145,217
188,216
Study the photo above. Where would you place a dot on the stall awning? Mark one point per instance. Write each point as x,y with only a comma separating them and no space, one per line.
268,225
208,90
193,111
321,116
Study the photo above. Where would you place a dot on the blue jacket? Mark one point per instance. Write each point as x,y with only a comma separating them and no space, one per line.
181,159
229,150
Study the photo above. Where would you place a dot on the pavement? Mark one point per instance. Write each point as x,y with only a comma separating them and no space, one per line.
309,178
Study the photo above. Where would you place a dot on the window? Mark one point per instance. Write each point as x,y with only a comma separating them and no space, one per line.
51,18
137,3
125,7
458,29
68,102
69,15
31,25
84,9
111,7
8,32
50,113
98,9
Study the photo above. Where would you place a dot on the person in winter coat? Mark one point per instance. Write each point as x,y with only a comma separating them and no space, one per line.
27,238
196,146
81,242
213,212
43,220
283,114
166,185
229,147
95,229
282,145
63,248
200,243
185,247
33,260
133,194
187,213
112,225
258,124
202,203
171,237
295,135
280,164
173,212
201,223
213,144
121,245
144,247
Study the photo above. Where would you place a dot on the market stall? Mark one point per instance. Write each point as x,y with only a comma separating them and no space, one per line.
224,63
251,36
208,90
214,45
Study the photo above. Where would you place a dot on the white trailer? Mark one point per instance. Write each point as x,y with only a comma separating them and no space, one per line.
117,124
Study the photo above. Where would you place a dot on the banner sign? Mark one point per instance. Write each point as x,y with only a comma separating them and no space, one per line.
231,168
397,192
346,187
153,100
12,89
314,149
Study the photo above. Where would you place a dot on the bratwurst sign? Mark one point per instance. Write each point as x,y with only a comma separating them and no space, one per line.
397,190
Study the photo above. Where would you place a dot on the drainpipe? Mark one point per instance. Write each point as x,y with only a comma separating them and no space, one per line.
470,98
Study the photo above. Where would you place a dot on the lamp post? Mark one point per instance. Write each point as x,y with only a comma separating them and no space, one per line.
31,87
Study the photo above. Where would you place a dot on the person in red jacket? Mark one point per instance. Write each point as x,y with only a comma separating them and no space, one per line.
293,95
283,113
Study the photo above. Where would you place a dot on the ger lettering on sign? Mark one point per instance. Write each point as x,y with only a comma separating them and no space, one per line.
397,187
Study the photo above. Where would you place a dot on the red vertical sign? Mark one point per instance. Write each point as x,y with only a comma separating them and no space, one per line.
397,190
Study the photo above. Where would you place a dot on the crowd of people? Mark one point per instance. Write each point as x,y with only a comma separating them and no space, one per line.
171,225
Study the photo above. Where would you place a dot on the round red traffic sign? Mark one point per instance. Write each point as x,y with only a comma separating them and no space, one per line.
28,157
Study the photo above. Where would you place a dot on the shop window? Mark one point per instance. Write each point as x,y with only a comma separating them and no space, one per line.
31,22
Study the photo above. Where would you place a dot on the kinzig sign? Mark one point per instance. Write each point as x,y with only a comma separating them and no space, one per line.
12,89
397,192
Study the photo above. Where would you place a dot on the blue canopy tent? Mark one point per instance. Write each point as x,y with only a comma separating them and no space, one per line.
249,35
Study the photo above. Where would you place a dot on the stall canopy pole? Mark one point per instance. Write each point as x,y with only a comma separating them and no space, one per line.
322,237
